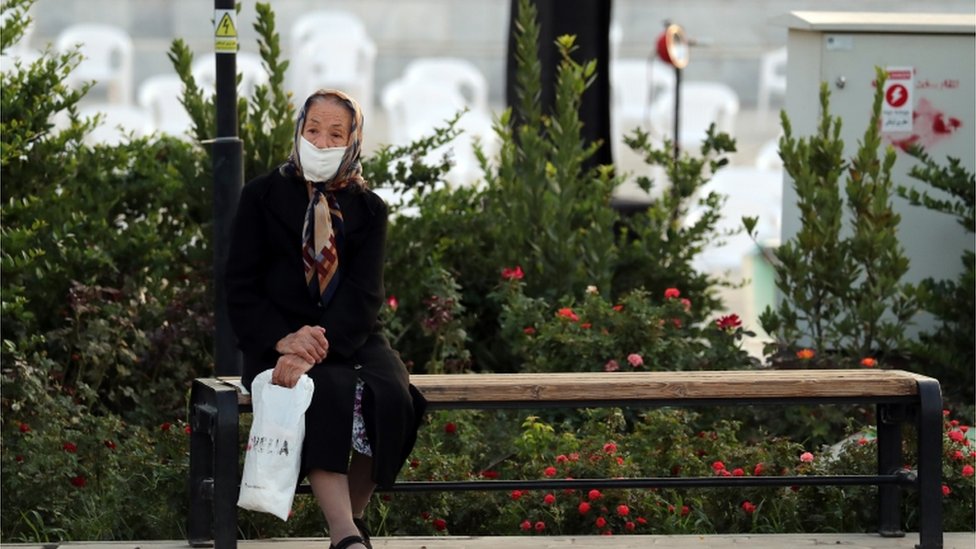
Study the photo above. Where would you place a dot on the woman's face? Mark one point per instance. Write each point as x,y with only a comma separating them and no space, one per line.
327,125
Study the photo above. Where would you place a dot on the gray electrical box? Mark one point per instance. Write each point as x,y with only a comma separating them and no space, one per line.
930,99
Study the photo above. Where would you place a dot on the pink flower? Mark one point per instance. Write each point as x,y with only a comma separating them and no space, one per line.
956,436
561,458
513,274
525,525
718,466
610,447
549,471
594,495
967,470
862,441
946,490
672,293
516,495
574,456
618,308
601,522
623,510
549,499
686,303
958,455
611,366
583,508
758,469
738,472
392,302
748,507
635,360
629,525
806,457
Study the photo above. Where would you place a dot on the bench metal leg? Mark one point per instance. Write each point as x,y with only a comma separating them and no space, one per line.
213,465
930,465
890,420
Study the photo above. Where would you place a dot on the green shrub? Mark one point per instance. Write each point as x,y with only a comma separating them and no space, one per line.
841,294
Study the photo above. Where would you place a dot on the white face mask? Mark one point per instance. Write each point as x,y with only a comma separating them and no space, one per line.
319,165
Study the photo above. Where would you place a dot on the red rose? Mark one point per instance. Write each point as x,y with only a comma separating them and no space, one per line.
958,455
623,510
594,494
188,430
166,426
19,458
549,471
516,495
728,323
748,507
450,428
528,330
513,274
672,293
641,520
618,308
967,470
525,525
567,313
561,458
79,481
869,362
956,436
946,490
610,447
24,428
601,522
70,447
540,526
109,444
630,526
685,510
425,515
738,472
392,302
489,474
414,463
718,466
583,508
549,499
440,524
758,469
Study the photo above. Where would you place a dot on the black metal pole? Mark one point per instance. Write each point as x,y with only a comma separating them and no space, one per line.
677,112
228,169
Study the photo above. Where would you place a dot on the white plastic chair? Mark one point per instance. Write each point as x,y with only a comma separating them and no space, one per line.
107,58
634,83
702,103
768,156
415,107
455,72
772,78
331,49
117,123
161,96
750,192
249,66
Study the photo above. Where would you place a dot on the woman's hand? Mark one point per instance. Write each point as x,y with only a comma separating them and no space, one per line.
289,369
308,343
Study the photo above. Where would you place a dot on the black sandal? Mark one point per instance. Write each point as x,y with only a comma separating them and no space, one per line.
363,531
345,542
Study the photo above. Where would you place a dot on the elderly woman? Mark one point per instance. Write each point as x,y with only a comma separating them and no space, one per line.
304,287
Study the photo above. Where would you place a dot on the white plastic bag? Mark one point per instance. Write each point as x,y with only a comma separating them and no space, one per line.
274,446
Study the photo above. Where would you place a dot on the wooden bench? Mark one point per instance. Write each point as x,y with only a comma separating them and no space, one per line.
900,397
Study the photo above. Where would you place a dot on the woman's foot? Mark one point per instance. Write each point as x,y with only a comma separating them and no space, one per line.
349,542
363,531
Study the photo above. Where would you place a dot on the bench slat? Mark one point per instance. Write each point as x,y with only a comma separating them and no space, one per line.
645,386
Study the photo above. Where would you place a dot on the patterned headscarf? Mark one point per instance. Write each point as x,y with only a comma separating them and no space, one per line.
322,233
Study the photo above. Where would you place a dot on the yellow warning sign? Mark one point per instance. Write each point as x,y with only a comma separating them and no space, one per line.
225,31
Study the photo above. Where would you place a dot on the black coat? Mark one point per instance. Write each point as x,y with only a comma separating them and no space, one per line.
268,299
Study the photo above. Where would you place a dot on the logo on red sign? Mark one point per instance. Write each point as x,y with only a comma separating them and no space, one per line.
897,95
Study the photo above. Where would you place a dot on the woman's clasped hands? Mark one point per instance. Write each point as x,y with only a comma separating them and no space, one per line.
299,352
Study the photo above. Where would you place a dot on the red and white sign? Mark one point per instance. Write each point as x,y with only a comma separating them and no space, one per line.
897,111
